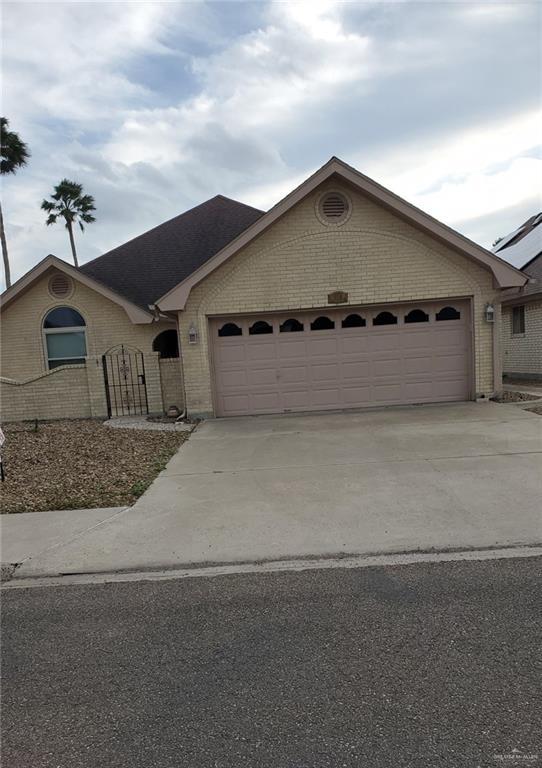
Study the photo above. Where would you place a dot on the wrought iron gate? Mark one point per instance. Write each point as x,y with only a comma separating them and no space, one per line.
124,377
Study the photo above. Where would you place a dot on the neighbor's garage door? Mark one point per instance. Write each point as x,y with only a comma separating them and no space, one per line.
341,358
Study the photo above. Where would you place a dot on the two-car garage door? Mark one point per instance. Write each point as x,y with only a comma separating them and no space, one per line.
342,358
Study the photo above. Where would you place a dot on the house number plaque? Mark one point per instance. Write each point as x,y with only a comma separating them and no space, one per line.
337,297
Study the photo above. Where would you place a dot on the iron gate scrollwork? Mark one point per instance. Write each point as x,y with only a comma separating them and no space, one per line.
124,377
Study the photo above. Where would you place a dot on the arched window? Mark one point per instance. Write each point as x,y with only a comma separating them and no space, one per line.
167,343
385,318
416,316
230,329
353,321
260,326
65,337
322,324
448,313
291,326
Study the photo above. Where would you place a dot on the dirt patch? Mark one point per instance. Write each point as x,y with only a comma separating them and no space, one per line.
537,410
80,464
514,397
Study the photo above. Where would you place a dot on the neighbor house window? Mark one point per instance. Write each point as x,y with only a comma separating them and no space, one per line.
65,337
167,343
518,320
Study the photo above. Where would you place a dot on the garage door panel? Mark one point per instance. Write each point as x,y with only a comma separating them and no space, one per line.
265,401
418,365
237,378
417,339
295,374
343,367
387,393
356,370
353,344
321,347
260,351
231,353
357,396
389,367
329,372
419,391
291,349
451,388
295,399
326,397
262,376
235,404
384,342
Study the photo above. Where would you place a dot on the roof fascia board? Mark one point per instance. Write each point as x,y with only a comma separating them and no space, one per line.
505,275
135,313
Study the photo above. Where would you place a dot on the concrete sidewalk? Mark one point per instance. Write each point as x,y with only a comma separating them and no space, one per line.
431,477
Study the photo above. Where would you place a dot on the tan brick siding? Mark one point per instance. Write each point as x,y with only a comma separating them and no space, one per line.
375,256
23,356
523,353
107,324
172,383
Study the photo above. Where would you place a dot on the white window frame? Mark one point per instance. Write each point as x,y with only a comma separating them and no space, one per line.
67,329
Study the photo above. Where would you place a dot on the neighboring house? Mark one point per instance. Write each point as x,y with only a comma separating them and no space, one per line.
342,295
522,308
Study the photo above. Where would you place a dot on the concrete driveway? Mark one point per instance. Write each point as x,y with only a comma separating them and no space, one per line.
245,489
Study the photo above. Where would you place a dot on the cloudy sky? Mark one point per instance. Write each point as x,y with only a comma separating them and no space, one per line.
155,107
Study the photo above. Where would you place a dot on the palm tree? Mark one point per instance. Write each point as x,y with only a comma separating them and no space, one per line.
69,202
13,153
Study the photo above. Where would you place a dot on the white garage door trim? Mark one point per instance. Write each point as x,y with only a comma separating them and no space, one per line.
342,367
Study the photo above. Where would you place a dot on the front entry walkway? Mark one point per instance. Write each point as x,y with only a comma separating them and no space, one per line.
256,488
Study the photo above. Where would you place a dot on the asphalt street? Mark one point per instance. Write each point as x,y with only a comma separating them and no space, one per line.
418,665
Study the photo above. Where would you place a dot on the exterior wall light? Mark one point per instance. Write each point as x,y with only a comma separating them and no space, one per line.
192,334
490,313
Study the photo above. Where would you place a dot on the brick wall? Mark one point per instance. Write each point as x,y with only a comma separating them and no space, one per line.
522,353
172,383
375,256
58,394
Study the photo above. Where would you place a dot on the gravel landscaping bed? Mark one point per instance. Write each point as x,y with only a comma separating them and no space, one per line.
537,410
514,397
80,464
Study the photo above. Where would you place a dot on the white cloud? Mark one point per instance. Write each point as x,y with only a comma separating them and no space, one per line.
252,113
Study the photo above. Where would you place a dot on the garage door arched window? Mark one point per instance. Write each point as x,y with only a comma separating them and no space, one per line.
64,333
291,326
322,323
385,318
417,316
167,343
449,313
260,326
230,329
353,321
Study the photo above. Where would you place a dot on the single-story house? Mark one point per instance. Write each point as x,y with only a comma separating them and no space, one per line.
522,308
343,295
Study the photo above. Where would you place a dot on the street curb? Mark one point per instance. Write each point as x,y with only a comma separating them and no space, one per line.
281,566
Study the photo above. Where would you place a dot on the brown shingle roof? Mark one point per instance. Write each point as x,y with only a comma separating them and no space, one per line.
148,266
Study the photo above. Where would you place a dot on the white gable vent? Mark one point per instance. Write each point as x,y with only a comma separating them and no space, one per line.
333,208
60,285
